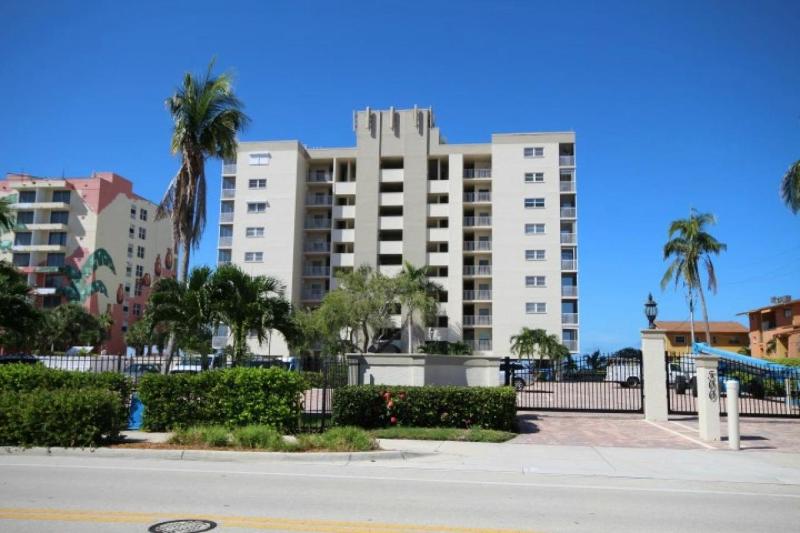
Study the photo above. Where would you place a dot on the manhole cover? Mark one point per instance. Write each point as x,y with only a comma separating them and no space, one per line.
182,526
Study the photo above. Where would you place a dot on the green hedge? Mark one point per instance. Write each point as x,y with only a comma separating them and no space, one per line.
60,417
26,377
232,397
370,406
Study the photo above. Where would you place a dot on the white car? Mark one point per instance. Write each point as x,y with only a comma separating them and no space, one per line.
625,372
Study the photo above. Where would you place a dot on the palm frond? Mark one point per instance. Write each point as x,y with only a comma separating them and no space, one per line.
790,188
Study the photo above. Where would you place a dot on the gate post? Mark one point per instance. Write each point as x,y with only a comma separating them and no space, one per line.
654,378
708,397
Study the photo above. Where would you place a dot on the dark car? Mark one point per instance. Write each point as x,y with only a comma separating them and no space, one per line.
22,358
525,372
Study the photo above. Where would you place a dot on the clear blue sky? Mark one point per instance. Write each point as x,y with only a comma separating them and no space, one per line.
675,104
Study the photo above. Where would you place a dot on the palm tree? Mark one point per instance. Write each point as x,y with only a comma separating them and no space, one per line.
19,320
207,116
690,244
6,218
790,188
416,294
529,342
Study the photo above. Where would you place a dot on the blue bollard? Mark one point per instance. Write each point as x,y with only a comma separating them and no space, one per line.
136,414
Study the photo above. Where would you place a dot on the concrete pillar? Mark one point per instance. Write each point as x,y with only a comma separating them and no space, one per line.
708,397
654,378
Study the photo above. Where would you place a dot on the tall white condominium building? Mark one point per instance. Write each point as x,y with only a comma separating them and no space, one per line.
496,223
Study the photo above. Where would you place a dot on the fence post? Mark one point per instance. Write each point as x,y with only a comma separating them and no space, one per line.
654,378
324,394
708,396
507,363
732,392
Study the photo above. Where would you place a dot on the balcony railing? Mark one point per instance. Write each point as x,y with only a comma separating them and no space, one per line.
477,295
471,246
317,247
571,345
226,217
477,320
225,242
566,160
566,186
322,271
477,172
569,318
313,296
477,197
478,221
569,290
228,193
229,168
317,223
312,199
479,345
568,238
567,212
569,264
319,177
477,270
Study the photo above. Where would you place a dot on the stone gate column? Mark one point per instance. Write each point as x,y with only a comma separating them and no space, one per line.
708,396
654,375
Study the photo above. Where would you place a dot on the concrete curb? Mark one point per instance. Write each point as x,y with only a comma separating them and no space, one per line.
211,455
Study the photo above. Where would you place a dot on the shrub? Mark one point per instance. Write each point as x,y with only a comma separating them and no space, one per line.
60,417
371,406
314,380
232,397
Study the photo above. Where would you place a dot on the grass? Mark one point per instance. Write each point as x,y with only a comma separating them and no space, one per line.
266,438
463,435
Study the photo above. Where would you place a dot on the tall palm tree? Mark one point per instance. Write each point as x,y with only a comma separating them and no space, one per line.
790,188
688,246
6,218
207,116
416,294
529,342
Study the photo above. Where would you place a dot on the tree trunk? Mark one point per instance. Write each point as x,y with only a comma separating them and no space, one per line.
185,252
365,342
410,333
705,314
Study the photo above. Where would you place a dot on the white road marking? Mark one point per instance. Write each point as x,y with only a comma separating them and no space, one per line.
678,433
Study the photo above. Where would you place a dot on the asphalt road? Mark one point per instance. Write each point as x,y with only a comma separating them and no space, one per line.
127,495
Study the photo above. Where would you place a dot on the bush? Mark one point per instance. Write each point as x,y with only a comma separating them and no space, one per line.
255,436
314,380
216,436
371,406
339,439
232,397
60,417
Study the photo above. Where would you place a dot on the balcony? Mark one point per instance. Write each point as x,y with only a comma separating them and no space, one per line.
44,291
317,247
45,269
391,198
344,211
226,217
228,193
568,238
477,320
311,295
316,271
569,318
317,223
477,246
390,270
569,264
476,296
438,259
390,222
478,221
344,188
569,291
42,224
390,247
40,205
571,345
438,186
438,210
319,177
479,345
229,169
472,173
568,212
314,199
438,234
343,259
477,270
566,186
226,242
41,247
476,197
343,235
566,160
391,175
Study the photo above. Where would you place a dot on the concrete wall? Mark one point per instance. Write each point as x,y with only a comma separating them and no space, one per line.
423,369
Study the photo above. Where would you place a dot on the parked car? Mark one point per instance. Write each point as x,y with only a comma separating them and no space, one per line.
525,373
23,358
626,372
192,364
137,370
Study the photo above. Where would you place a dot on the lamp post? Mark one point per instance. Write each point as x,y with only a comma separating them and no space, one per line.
651,311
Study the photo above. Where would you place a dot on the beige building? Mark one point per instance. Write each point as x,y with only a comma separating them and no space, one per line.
87,240
495,222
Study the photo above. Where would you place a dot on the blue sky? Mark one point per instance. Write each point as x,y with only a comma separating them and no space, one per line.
675,105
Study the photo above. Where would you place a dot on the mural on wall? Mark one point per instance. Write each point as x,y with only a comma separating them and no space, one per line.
79,288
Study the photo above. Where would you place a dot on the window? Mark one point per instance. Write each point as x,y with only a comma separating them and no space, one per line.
23,238
124,327
143,215
130,251
133,212
142,233
534,177
59,217
535,307
257,207
734,340
253,257
132,231
129,270
128,289
24,217
533,151
61,196
140,252
534,255
27,197
534,281
680,339
787,313
441,321
534,229
22,260
125,308
534,203
137,291
255,232
57,238
527,152
260,183
259,159
137,309
55,260
139,271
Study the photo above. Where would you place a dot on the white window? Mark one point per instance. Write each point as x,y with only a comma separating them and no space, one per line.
130,250
128,289
256,207
533,151
142,233
253,257
259,159
133,212
538,151
534,177
143,215
527,151
534,229
534,203
255,232
260,183
132,231
534,281
535,307
139,271
140,252
129,270
534,255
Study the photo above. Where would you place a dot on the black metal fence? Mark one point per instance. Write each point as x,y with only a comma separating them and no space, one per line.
764,391
331,374
596,382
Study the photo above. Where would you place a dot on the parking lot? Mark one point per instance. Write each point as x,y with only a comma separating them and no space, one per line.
580,395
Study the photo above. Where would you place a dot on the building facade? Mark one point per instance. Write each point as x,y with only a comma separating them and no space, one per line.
496,223
87,240
729,335
775,329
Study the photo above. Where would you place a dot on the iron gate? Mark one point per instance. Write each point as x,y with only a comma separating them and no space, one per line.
581,383
763,392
